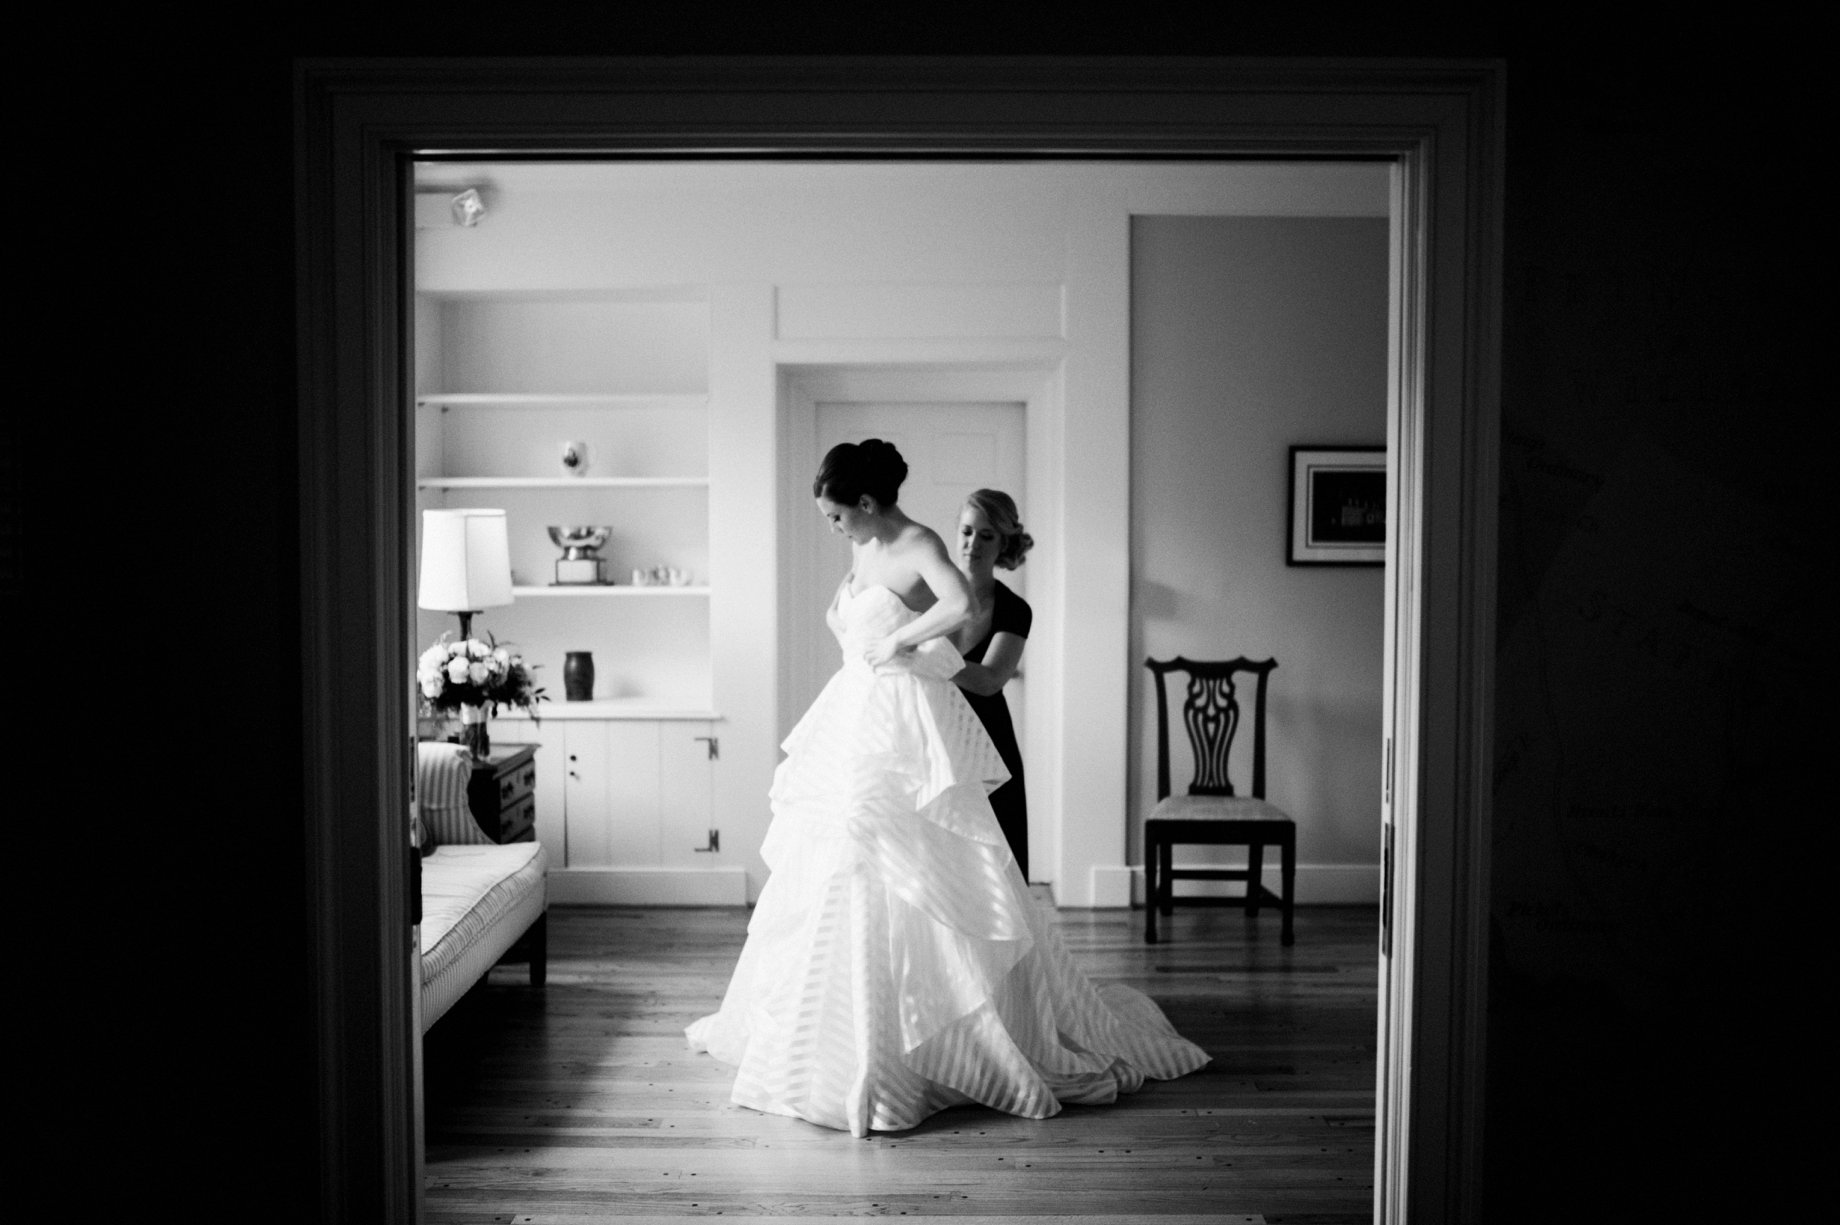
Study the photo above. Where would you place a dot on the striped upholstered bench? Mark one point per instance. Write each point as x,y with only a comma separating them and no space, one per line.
480,899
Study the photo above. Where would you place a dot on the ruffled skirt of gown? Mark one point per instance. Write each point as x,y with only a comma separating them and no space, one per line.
895,963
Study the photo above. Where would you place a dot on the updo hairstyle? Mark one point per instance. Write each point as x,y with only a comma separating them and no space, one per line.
851,470
1000,509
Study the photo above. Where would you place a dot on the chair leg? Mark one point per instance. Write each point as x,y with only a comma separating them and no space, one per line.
1150,886
1255,869
1166,891
1288,868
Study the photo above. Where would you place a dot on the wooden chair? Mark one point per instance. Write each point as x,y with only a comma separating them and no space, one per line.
1212,812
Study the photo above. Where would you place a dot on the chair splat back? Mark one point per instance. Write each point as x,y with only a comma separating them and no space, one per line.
1211,712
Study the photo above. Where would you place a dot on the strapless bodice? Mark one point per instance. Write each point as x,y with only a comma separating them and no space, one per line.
876,612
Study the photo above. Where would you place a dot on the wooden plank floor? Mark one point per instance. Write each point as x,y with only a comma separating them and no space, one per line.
580,1102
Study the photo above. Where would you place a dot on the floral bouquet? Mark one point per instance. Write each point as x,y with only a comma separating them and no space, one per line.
475,678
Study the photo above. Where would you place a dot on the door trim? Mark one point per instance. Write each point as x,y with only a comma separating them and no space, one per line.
359,122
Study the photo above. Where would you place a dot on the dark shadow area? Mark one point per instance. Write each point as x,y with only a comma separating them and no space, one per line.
1660,263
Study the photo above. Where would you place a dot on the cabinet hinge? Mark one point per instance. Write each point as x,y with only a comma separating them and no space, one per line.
715,746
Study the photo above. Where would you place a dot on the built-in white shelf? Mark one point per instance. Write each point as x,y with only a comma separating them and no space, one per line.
608,589
562,482
463,399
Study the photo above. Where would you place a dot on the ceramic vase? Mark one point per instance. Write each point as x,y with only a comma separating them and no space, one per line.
578,676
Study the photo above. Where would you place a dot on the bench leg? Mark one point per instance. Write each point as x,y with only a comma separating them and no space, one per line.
539,950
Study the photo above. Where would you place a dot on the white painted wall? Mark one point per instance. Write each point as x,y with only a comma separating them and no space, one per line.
1014,267
1249,336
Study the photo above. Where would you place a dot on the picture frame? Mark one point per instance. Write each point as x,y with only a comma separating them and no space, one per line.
1337,506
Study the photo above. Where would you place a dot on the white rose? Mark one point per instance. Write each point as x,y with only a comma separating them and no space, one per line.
477,649
456,671
431,686
479,673
502,657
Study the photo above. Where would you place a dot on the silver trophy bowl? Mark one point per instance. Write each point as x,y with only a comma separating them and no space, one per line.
579,543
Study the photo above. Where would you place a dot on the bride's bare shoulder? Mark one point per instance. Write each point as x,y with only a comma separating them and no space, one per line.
920,537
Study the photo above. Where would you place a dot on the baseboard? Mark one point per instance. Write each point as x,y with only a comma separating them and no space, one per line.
1111,887
648,886
1318,884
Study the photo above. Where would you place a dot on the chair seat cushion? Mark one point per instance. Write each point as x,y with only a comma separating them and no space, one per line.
1217,808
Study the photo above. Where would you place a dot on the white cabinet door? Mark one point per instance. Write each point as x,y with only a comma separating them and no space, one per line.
587,796
552,783
687,760
629,811
630,821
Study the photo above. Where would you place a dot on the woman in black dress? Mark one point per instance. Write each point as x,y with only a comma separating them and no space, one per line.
990,536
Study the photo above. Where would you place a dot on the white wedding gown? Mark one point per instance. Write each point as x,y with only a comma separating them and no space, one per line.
895,963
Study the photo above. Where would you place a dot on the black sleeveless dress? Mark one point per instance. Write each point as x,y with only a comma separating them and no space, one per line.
1011,801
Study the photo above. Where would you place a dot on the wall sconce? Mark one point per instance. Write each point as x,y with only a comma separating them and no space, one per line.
468,207
437,208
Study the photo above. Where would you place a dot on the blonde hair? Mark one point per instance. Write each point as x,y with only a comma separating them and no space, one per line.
1000,509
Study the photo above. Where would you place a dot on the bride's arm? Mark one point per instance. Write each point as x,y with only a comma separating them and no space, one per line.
831,616
951,604
1001,659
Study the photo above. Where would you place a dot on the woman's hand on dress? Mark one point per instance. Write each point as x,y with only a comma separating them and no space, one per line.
885,651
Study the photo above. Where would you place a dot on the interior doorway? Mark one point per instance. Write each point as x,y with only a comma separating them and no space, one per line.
951,447
1441,128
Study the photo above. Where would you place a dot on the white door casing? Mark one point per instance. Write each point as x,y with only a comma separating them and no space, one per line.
1019,461
951,448
1440,122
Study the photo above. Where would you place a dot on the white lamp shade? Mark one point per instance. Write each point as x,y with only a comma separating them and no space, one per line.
466,560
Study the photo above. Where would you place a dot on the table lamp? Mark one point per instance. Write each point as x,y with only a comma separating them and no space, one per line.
466,563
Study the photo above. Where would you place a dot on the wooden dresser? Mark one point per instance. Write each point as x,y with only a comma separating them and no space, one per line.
503,793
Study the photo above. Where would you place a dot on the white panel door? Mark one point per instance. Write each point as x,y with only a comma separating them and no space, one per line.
951,449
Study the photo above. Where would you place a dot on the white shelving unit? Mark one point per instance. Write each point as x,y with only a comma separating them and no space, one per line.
504,383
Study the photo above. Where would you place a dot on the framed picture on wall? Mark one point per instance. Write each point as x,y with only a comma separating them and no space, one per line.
1338,506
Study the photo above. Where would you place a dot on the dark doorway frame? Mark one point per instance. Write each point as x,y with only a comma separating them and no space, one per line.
361,123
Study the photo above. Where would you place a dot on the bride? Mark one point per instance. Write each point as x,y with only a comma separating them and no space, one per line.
895,964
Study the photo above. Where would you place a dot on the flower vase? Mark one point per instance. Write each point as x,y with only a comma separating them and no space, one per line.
473,731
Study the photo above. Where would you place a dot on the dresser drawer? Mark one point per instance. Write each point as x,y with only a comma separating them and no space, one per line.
502,793
516,784
519,822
